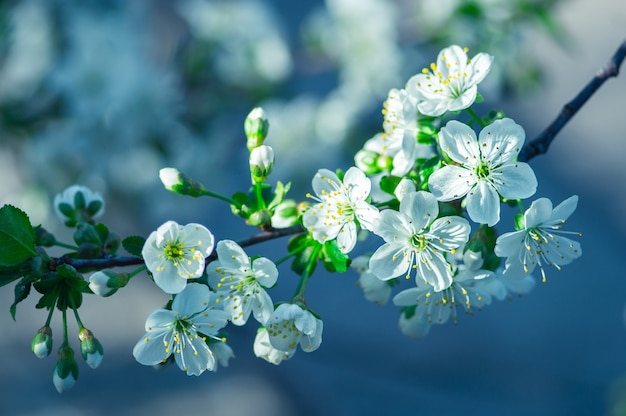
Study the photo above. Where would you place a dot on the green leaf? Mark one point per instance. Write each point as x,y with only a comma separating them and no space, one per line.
11,273
17,236
389,183
305,246
334,260
22,290
134,244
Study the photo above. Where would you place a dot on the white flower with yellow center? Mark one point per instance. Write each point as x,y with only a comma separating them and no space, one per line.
416,240
341,207
538,243
451,83
175,253
183,331
486,168
290,325
240,283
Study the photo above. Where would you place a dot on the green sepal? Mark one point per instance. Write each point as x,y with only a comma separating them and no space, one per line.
22,290
64,287
17,236
408,311
426,167
133,244
333,259
519,222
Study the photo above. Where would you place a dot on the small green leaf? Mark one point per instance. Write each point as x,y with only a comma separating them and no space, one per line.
305,246
17,236
22,290
134,244
388,183
334,260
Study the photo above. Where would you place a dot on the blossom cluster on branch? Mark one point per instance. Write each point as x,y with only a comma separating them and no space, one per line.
429,188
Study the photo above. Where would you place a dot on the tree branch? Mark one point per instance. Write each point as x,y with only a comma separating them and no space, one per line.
121,261
541,143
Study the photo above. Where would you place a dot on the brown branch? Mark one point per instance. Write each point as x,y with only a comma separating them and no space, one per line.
541,143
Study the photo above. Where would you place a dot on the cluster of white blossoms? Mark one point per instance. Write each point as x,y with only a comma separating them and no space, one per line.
431,192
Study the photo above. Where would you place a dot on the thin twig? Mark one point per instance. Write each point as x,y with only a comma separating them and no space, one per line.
541,143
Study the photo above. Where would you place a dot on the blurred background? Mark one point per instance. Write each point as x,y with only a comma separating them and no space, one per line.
105,93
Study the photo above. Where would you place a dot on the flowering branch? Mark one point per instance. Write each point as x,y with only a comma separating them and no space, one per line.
541,143
121,261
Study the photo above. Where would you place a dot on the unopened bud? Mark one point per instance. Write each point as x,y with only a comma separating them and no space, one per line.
285,214
105,283
65,372
256,127
261,163
90,348
78,204
42,343
180,183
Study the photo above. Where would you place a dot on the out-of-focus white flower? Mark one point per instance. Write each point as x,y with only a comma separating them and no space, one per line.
290,325
374,289
78,203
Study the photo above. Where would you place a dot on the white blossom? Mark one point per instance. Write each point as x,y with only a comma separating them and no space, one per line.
485,168
540,242
240,283
175,253
290,325
263,348
415,239
341,207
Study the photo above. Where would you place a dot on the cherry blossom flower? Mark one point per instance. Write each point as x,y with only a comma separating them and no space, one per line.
415,239
451,83
183,331
485,168
341,207
239,283
175,253
539,242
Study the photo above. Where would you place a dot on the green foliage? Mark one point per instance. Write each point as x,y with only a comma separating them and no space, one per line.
134,244
305,247
333,259
17,236
389,183
22,290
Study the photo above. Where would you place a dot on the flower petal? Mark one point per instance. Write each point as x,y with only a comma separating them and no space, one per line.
193,299
483,204
265,271
501,141
420,207
389,261
451,182
459,142
515,180
358,184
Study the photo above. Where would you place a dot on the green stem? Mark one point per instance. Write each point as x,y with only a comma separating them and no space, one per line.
80,323
66,340
222,197
50,316
298,296
289,255
258,190
475,117
68,246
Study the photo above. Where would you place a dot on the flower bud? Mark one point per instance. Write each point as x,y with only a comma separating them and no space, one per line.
105,283
65,372
42,343
367,161
259,218
285,214
180,183
256,127
261,163
90,348
78,204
